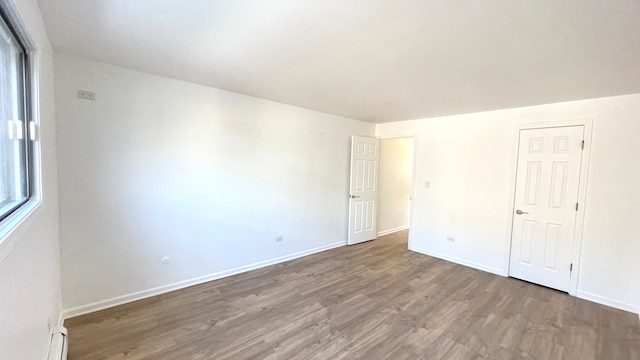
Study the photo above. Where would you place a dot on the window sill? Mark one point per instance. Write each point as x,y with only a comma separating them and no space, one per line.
16,225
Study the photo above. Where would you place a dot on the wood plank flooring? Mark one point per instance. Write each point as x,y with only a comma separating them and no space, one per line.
375,300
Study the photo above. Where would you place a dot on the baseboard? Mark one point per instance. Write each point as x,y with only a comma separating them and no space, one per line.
119,300
580,294
608,302
391,231
457,260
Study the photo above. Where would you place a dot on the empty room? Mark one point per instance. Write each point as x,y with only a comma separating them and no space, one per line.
298,179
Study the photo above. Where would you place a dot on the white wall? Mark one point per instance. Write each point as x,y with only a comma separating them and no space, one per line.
394,179
470,161
30,273
158,167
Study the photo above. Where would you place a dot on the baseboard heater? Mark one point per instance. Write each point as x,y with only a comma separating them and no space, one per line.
58,347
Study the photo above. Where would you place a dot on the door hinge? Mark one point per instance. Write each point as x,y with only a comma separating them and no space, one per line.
570,270
576,206
582,144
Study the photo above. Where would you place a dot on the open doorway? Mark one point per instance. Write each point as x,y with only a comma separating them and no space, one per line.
395,179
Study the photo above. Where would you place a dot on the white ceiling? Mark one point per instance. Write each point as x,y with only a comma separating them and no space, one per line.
374,60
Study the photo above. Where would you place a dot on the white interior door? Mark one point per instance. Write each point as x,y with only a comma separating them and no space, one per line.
363,195
545,206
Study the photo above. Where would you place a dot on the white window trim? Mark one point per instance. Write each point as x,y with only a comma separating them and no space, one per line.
14,227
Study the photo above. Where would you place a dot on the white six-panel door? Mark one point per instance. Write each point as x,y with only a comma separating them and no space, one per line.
363,196
545,206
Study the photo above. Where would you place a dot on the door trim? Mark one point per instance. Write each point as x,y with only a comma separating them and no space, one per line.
413,136
582,192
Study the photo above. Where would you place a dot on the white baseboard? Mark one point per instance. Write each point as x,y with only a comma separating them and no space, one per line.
391,231
460,261
608,301
123,299
581,294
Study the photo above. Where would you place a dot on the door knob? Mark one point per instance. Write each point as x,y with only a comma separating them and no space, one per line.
354,196
520,212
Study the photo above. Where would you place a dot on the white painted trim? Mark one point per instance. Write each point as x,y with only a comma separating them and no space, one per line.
60,320
17,224
413,188
123,299
457,260
608,301
580,294
391,231
582,191
414,136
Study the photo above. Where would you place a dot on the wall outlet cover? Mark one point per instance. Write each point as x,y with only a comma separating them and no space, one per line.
86,95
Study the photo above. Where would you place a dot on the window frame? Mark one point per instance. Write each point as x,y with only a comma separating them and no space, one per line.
7,209
15,223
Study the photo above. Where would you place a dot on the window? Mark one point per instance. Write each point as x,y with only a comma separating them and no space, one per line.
15,142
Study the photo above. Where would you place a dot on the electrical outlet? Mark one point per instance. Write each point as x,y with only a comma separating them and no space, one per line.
279,239
165,260
451,239
86,95
427,184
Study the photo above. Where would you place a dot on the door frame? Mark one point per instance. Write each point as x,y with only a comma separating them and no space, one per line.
413,177
576,247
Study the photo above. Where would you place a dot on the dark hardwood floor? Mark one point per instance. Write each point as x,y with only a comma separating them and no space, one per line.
375,300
